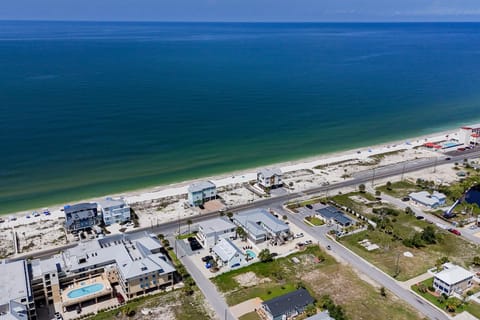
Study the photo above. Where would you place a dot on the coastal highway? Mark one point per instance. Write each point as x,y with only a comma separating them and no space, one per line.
352,259
358,178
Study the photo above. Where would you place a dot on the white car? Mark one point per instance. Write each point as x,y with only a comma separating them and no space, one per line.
298,235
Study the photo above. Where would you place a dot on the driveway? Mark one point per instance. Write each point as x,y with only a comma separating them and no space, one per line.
246,307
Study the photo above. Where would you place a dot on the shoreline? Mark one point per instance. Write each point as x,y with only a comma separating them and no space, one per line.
244,175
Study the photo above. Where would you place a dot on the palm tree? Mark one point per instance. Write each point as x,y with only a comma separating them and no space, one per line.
241,233
230,215
361,188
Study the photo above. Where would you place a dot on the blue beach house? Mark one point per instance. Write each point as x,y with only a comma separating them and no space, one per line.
201,192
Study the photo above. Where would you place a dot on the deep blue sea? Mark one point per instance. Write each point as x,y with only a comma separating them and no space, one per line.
89,109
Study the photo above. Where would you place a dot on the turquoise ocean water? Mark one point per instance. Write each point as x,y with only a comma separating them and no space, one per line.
88,109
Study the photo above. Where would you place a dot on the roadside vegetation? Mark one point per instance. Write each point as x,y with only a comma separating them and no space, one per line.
335,286
399,232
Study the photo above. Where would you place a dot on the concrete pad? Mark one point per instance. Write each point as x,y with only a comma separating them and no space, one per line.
246,307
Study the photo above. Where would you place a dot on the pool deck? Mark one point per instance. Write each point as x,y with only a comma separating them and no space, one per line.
67,301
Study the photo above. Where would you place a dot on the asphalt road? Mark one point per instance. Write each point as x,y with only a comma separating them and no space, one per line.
355,261
208,288
365,267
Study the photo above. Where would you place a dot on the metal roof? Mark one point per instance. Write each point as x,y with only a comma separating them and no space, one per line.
215,225
80,207
255,220
200,186
453,274
330,212
226,250
269,172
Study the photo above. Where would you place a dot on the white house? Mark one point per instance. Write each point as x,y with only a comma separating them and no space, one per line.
200,192
114,210
270,178
228,254
260,225
429,200
211,231
452,279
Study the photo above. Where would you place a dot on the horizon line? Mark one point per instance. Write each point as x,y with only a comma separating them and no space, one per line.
239,21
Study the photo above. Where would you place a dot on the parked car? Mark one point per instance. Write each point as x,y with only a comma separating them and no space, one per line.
447,158
207,258
120,298
309,206
308,242
329,247
455,231
298,235
406,199
420,217
58,316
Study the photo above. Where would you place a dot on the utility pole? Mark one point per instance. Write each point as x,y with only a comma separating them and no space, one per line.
373,177
435,165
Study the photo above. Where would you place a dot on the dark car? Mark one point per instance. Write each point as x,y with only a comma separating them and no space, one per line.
207,258
58,316
447,158
406,199
309,206
420,217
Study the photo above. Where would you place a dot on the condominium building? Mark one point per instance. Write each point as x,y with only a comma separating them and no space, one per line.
16,297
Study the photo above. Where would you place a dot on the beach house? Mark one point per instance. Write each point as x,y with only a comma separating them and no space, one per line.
287,306
331,214
452,279
261,225
114,210
200,192
81,216
269,178
16,299
211,231
433,200
228,254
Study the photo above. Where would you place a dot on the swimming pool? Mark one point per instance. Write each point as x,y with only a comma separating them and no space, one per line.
85,291
251,254
450,144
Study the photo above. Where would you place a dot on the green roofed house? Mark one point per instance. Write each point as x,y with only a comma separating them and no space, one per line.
287,306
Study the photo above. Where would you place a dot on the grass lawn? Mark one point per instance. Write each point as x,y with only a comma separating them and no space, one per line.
250,316
399,189
186,236
184,307
471,307
391,250
359,299
315,221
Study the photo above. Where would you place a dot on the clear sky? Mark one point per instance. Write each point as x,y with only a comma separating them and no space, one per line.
242,10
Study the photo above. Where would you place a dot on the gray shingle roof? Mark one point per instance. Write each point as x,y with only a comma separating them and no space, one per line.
298,299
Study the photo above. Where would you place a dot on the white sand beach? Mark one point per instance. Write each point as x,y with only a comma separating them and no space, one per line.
166,203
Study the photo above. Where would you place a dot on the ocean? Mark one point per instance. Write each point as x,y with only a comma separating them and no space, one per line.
90,109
